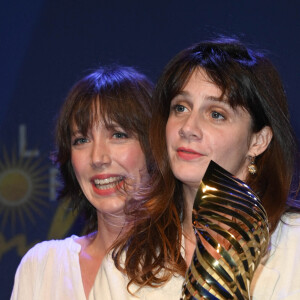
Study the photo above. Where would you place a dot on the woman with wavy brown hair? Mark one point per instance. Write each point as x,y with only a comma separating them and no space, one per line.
104,158
219,100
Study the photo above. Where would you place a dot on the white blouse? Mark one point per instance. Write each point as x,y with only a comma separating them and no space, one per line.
51,271
278,275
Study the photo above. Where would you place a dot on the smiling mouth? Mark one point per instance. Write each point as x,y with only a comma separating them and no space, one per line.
108,183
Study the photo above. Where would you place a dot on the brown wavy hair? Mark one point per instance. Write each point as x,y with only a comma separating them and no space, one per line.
249,80
124,96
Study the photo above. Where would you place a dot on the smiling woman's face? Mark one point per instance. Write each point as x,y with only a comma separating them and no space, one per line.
103,160
203,127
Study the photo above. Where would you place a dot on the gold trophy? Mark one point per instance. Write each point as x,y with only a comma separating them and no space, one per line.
232,233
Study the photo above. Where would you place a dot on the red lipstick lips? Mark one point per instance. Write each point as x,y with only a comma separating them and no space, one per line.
106,184
188,154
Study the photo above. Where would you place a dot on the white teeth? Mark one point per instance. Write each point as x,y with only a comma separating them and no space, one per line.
107,186
107,183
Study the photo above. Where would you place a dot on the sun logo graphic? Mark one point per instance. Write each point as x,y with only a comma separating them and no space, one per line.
24,184
27,185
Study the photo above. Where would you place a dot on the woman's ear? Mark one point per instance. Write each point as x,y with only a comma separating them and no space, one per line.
260,141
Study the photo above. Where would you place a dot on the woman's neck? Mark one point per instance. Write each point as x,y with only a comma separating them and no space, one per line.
95,246
110,227
188,230
189,194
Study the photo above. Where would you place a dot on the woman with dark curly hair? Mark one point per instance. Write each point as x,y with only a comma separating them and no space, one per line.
104,159
219,100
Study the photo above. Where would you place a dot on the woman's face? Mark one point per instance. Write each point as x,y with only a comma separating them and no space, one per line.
103,160
203,127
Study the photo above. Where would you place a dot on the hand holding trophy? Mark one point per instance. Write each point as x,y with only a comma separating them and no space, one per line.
232,235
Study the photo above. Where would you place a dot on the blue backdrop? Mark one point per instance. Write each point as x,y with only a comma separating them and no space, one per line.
47,45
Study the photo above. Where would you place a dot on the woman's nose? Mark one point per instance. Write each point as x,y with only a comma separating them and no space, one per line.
191,128
100,156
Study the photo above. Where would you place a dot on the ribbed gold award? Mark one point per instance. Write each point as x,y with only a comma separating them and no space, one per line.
232,234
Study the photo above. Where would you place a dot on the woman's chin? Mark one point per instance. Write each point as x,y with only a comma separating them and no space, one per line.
190,180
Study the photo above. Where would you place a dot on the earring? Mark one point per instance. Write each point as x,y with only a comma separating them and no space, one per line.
252,168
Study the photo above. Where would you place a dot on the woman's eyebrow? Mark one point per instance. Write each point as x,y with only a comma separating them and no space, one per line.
208,97
184,94
215,99
221,100
75,132
112,125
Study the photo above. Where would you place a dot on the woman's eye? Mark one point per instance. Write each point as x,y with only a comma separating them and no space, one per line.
120,135
217,115
79,141
179,108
